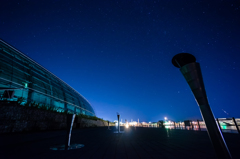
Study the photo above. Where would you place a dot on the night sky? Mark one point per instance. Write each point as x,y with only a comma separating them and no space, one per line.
117,53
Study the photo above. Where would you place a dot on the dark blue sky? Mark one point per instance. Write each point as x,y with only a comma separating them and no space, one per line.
117,53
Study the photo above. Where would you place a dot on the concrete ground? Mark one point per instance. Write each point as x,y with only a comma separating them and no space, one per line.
103,143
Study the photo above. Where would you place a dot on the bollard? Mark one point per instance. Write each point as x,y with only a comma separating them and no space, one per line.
192,125
199,125
118,123
192,73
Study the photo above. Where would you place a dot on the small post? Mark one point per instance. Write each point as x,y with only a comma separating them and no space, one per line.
192,125
199,125
70,120
174,125
236,125
118,115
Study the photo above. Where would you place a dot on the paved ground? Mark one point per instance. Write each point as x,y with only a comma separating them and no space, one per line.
103,143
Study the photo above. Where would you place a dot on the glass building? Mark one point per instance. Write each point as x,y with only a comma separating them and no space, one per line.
20,76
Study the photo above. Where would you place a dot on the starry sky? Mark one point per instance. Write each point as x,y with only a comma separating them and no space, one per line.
117,53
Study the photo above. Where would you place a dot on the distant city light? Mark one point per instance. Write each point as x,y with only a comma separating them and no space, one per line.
165,118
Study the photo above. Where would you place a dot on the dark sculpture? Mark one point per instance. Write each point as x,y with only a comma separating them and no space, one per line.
192,73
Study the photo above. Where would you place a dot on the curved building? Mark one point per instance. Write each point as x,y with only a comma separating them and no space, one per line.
20,76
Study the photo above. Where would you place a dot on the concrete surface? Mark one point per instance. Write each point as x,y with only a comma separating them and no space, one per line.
102,143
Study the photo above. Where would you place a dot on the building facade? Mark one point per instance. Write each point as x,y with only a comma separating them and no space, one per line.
22,77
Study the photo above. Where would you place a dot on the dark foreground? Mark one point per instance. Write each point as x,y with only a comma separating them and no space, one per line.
103,143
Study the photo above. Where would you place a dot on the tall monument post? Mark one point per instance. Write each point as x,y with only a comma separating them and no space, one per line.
192,73
70,121
67,145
